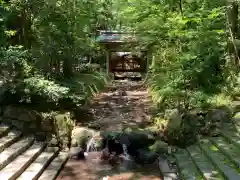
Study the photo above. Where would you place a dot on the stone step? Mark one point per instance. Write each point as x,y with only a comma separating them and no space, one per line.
234,138
55,167
233,128
228,149
166,170
188,170
10,153
16,167
207,169
220,161
4,129
9,139
237,125
34,171
170,176
236,105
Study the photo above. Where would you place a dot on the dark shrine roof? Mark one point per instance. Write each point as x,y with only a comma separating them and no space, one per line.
115,37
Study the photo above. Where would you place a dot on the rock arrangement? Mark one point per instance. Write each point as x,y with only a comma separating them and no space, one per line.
56,127
137,144
182,128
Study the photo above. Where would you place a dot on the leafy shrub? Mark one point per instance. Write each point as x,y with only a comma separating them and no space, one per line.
50,91
14,63
23,84
188,71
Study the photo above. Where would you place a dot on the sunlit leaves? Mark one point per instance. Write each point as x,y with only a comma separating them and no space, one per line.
188,48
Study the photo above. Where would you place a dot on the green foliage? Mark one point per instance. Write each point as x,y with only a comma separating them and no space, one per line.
188,68
47,47
48,90
51,44
15,62
37,90
188,49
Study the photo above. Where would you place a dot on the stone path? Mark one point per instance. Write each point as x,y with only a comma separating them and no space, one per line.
125,105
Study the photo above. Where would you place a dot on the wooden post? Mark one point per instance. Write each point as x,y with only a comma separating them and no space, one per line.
107,61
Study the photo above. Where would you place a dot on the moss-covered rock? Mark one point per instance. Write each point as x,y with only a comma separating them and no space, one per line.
159,147
174,118
145,156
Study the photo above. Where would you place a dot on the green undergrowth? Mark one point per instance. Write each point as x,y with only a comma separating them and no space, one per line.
44,94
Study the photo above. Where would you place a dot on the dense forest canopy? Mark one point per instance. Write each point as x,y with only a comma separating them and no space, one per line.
47,45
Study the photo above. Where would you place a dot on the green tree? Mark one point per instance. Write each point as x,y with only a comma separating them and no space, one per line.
187,40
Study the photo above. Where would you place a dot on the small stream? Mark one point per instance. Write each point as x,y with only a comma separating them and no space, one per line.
125,153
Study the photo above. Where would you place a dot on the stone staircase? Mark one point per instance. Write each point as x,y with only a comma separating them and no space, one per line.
213,158
23,158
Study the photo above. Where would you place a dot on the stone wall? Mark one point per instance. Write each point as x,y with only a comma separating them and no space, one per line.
28,122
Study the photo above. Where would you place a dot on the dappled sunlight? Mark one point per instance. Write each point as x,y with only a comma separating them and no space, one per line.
122,107
73,70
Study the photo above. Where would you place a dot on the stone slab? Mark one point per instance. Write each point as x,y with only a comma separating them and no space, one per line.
38,166
14,150
219,160
16,167
233,137
170,176
7,140
164,166
56,165
229,149
204,165
187,168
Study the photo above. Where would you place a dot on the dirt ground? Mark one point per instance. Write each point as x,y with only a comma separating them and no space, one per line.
124,105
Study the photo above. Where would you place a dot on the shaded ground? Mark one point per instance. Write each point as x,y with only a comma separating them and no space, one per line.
124,105
95,169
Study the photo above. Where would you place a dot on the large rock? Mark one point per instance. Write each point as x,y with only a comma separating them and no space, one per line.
220,115
76,153
159,147
215,120
136,139
81,135
146,157
216,117
174,118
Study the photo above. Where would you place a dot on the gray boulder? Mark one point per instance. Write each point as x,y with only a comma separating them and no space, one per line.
174,118
146,157
80,136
